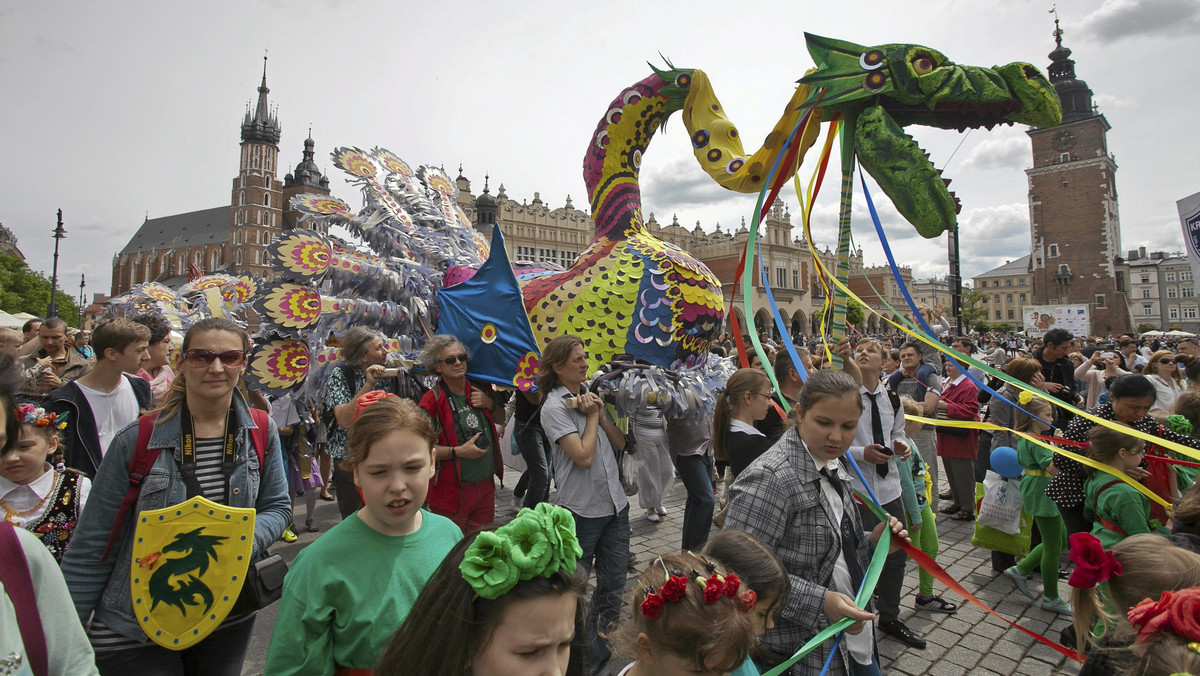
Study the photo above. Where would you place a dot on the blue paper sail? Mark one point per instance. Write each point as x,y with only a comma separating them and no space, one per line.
487,315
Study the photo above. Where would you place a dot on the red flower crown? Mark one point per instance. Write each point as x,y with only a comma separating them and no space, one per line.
1176,611
715,586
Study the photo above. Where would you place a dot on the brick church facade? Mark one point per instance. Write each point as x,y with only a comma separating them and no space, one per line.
231,238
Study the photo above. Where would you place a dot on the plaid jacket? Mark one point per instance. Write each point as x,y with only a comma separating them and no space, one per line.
778,499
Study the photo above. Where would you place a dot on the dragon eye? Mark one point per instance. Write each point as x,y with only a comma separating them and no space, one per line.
923,65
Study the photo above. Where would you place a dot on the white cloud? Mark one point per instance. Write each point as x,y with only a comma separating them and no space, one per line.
1119,19
1009,153
1114,101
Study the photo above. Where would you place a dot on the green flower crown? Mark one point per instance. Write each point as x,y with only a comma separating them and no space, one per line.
537,543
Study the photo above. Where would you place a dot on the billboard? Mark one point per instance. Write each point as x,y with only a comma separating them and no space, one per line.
1038,319
1189,218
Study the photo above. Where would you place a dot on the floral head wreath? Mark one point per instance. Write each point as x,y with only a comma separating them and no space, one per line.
1092,563
1176,611
1179,424
39,417
537,543
715,586
369,398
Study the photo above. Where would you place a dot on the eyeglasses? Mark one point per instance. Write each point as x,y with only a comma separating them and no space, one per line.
204,358
454,359
1140,450
768,395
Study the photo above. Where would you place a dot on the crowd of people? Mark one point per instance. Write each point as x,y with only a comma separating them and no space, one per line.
102,431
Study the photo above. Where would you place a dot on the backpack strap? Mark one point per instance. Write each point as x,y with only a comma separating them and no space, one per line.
1096,509
18,584
258,436
139,466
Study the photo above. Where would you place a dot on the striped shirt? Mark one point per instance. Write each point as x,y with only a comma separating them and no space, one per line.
212,487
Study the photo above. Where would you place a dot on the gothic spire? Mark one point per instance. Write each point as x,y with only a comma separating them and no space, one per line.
1075,95
263,127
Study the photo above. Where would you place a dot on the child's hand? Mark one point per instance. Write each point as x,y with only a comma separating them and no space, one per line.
837,605
1137,474
912,528
1051,469
898,534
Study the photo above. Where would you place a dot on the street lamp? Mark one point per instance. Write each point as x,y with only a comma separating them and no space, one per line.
82,284
59,234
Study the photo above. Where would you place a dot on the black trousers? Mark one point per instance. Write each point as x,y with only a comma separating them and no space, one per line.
347,493
891,578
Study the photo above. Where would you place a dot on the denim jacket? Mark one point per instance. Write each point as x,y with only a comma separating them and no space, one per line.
102,587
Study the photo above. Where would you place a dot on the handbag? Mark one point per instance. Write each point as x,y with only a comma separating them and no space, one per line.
997,541
1000,508
263,585
960,432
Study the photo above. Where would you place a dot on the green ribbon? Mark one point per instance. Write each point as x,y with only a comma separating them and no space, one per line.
864,593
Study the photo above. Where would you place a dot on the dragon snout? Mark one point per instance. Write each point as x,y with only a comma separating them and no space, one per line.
1039,104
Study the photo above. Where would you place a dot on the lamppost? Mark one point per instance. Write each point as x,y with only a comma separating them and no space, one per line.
82,284
59,234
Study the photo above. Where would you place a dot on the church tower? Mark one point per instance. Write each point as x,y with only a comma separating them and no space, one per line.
306,179
1074,227
256,212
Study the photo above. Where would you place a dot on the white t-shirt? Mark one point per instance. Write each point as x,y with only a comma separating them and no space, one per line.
27,501
112,411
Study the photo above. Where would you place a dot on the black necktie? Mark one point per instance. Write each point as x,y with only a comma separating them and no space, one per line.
849,536
877,431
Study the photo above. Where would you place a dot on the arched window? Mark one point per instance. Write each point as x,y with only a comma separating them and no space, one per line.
267,199
198,257
214,261
239,257
179,267
162,263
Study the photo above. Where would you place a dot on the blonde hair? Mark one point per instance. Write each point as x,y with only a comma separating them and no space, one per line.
1154,358
911,407
1151,564
717,636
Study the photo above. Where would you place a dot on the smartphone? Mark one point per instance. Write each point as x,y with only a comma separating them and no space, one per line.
1107,355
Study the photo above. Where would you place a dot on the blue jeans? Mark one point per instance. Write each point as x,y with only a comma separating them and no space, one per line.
605,544
695,472
535,449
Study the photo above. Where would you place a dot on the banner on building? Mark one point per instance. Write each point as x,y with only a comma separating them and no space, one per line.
1189,218
1038,319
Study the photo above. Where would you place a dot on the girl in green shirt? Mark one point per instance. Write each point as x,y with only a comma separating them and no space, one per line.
1118,510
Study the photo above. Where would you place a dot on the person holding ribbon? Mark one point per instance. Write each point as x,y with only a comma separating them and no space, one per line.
688,614
508,601
1137,568
1118,509
796,499
348,591
464,415
207,444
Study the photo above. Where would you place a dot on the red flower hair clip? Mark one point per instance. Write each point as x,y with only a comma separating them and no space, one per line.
370,398
652,605
1176,611
1092,564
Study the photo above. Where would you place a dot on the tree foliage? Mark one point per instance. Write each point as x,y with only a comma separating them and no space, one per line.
24,290
1142,328
1003,327
973,310
855,313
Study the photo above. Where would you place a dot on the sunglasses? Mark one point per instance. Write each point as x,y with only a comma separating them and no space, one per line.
204,358
454,359
1168,362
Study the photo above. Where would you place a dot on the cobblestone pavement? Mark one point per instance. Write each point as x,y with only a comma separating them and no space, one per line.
968,642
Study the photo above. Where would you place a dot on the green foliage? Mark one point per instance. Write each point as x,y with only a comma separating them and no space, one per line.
23,290
973,311
1142,328
855,313
1003,327
981,327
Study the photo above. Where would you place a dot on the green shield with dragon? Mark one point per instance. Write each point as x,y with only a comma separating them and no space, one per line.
189,563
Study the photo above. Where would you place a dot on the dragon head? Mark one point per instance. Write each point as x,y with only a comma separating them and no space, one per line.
888,87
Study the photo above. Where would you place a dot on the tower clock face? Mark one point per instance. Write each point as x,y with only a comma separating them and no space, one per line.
1064,140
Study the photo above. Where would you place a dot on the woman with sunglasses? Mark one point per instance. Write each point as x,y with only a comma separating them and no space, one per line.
203,407
1163,373
464,414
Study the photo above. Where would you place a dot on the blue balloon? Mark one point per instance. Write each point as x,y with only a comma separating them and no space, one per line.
1004,462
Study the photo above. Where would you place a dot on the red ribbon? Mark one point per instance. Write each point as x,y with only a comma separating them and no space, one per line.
368,399
942,576
1172,461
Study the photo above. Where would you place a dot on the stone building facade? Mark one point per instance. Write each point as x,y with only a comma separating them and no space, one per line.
8,244
1162,292
1005,290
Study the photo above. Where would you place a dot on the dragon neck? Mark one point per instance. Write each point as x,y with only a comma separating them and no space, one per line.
613,160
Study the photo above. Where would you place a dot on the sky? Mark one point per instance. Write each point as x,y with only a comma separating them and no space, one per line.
120,109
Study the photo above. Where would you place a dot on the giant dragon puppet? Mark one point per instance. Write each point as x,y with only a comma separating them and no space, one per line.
630,293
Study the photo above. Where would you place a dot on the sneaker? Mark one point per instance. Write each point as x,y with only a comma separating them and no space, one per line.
934,604
517,501
1056,606
652,516
1018,579
289,535
662,511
